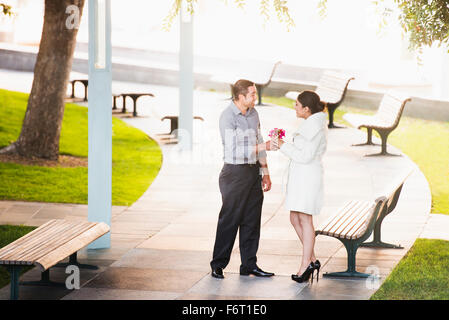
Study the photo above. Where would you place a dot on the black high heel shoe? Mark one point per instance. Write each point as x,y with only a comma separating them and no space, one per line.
317,266
306,275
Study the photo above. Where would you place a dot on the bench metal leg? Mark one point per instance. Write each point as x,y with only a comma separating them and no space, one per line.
377,242
124,105
384,136
351,249
259,94
135,108
85,92
331,125
73,261
369,141
73,90
44,282
14,271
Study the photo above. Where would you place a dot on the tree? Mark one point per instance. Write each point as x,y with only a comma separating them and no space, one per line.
6,9
425,22
39,137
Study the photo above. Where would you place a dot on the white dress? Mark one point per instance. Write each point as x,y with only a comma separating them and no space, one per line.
304,191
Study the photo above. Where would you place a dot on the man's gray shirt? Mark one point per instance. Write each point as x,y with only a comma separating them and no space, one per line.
240,134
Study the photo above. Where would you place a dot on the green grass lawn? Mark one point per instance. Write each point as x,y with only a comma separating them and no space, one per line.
423,273
136,159
9,234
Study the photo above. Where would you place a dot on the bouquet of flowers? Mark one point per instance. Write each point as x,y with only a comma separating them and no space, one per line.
275,135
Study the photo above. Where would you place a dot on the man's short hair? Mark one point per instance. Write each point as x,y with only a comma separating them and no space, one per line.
241,87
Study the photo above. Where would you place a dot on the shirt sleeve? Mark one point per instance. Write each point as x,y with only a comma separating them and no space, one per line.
262,154
304,152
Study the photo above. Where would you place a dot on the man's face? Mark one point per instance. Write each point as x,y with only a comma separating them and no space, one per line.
250,99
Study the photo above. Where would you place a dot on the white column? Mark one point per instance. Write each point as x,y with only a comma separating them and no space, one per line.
100,117
186,80
444,76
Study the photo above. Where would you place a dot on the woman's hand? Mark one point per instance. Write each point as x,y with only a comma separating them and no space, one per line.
270,146
280,143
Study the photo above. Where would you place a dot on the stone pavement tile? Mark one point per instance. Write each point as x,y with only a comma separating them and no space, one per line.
102,254
277,287
53,212
119,294
142,228
179,243
337,289
8,218
166,259
194,230
146,279
198,296
384,267
375,253
279,264
278,233
437,227
24,208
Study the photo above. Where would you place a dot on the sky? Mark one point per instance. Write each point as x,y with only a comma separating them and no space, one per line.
349,37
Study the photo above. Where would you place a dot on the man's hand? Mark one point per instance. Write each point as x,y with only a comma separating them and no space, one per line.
266,183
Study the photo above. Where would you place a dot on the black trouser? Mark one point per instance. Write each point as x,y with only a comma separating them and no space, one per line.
242,195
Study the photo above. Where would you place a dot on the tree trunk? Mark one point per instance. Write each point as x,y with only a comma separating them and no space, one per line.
41,127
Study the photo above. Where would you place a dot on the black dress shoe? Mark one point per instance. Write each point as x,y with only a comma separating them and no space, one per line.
217,273
257,272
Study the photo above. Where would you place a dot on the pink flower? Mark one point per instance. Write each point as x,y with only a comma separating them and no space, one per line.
279,133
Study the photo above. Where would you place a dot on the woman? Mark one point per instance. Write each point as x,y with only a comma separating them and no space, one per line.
304,196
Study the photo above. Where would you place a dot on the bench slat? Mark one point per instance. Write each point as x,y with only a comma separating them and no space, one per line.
345,219
353,218
332,220
19,242
31,241
54,243
359,221
44,243
35,242
72,246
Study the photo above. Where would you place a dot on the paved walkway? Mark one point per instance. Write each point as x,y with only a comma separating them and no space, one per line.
162,244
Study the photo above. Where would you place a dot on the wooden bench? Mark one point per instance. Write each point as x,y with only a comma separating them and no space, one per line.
84,82
134,97
174,120
392,193
259,75
352,225
384,121
45,246
332,89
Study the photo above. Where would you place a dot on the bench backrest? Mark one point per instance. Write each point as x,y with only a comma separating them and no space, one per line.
393,190
332,87
354,220
390,109
51,243
257,72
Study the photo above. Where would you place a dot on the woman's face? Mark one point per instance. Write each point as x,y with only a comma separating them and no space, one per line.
301,111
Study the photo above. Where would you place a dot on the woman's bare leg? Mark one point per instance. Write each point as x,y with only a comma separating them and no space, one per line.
294,219
308,238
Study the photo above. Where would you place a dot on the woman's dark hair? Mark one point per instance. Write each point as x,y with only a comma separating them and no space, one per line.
312,100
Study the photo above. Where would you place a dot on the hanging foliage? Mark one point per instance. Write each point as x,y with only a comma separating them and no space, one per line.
280,7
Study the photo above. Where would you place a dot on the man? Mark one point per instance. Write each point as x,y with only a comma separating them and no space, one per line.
241,183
